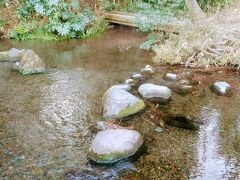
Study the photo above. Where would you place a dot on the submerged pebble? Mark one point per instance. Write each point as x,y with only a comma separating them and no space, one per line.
183,89
158,129
113,145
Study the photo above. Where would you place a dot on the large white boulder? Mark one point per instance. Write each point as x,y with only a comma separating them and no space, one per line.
118,103
113,145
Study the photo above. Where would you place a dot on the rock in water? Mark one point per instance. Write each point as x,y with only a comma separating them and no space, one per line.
137,76
118,103
11,55
171,77
30,63
221,88
15,54
155,93
181,121
147,70
130,82
113,145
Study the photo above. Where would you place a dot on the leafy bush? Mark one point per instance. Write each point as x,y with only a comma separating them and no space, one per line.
206,5
152,39
151,14
107,5
55,17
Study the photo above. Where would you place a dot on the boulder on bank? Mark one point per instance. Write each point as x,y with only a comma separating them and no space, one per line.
155,93
15,54
113,145
12,55
221,88
28,62
118,103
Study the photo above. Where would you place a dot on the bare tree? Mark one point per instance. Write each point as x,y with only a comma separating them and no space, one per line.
195,11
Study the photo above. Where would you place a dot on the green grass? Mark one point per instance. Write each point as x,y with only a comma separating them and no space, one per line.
2,22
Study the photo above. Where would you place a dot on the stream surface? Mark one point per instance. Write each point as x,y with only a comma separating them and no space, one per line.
45,119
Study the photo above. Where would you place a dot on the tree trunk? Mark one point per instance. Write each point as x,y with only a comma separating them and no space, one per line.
195,11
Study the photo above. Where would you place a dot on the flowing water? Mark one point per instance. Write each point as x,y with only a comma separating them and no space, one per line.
45,119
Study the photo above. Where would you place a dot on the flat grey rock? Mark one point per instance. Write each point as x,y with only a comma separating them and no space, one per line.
155,92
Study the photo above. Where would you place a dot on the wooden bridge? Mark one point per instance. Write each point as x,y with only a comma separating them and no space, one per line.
129,19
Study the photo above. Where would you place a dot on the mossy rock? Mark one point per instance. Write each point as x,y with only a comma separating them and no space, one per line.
118,103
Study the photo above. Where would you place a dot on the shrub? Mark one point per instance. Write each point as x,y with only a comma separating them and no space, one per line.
59,19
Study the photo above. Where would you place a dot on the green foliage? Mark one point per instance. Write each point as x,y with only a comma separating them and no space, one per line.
2,22
98,28
1,3
152,39
57,18
206,5
29,31
107,5
152,14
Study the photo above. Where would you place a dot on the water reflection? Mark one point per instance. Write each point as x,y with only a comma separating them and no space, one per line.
211,163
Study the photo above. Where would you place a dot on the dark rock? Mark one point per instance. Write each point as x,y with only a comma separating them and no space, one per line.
181,121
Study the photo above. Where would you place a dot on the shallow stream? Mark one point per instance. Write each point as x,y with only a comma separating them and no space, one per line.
45,119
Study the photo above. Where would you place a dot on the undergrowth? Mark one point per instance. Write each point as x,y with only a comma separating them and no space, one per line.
213,42
56,19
